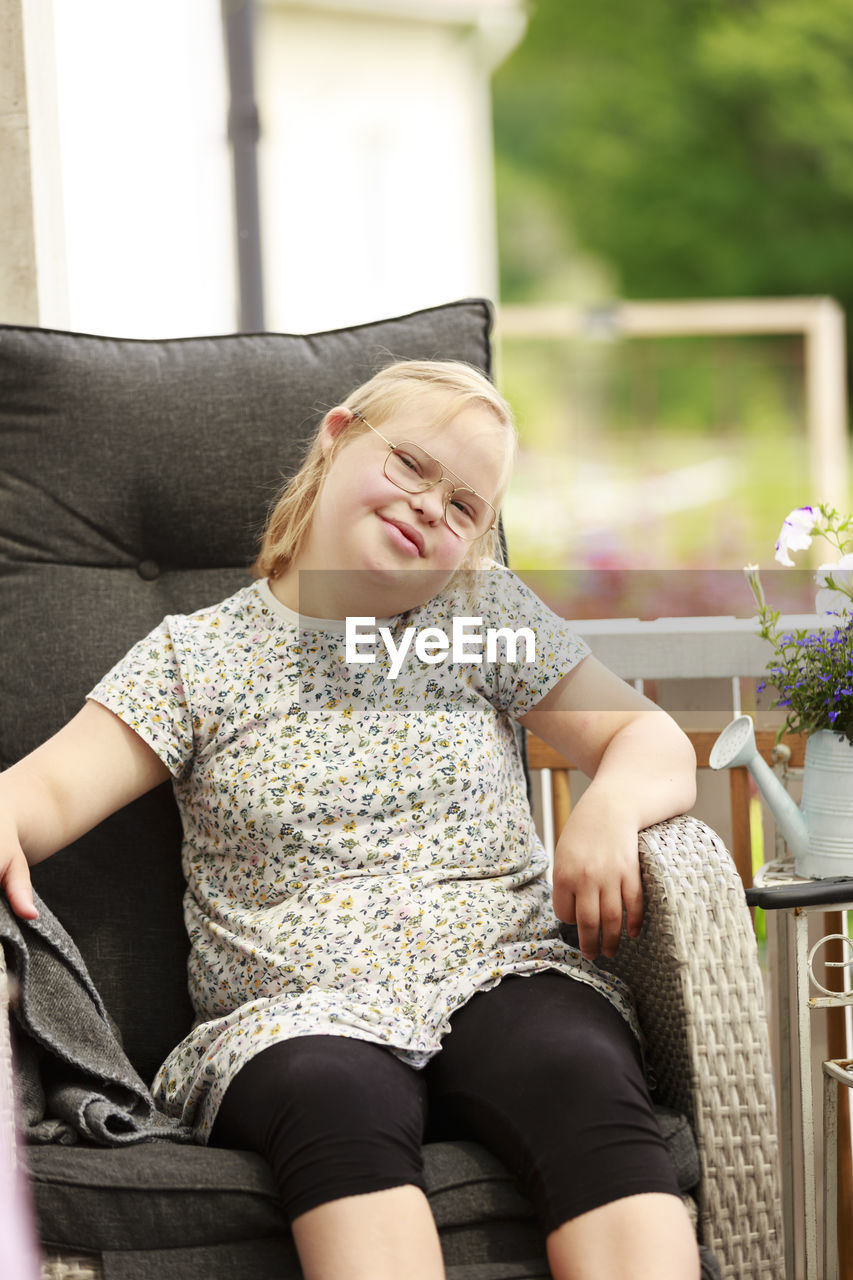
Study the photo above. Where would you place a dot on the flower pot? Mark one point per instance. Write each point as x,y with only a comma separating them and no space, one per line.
827,806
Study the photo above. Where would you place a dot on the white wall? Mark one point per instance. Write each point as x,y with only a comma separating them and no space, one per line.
146,169
33,283
376,163
375,160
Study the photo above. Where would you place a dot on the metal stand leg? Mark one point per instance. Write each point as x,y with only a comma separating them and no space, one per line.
830,1175
794,977
780,923
806,1112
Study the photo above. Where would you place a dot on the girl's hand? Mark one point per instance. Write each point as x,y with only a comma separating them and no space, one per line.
15,875
643,770
15,878
90,768
597,872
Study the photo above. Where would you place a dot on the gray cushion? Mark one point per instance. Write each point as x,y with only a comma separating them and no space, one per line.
135,479
163,1198
158,1196
266,1260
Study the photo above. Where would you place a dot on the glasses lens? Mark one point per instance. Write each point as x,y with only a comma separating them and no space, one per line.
411,469
467,514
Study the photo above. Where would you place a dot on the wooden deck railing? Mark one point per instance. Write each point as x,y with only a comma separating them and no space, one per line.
541,756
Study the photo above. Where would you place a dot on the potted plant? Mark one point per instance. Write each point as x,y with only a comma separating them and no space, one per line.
812,672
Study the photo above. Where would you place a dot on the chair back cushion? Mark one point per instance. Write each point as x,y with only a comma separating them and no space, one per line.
135,478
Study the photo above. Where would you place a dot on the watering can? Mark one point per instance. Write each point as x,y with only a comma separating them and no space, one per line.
820,833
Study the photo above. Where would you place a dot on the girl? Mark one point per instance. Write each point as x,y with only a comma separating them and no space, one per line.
375,949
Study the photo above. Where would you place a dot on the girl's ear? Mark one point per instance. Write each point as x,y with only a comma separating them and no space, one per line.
335,422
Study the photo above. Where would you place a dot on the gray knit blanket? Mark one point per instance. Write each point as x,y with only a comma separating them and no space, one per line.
75,1082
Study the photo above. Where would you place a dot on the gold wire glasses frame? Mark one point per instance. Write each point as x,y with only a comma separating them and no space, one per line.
413,470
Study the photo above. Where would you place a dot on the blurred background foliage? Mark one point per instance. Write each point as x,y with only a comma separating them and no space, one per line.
702,148
699,148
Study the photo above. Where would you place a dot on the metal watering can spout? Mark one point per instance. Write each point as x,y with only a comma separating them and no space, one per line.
736,746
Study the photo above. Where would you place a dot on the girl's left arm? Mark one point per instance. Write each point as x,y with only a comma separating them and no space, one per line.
642,770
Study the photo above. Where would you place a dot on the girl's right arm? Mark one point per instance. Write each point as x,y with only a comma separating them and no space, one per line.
93,766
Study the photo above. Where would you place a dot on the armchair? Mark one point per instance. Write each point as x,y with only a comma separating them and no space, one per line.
135,476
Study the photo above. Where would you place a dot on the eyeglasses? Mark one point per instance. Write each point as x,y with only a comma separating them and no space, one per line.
412,469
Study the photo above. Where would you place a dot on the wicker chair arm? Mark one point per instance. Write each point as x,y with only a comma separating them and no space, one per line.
695,977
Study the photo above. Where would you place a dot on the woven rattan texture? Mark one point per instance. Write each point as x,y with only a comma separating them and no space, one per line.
56,1267
695,974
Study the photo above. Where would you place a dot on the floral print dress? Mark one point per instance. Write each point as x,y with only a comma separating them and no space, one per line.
359,852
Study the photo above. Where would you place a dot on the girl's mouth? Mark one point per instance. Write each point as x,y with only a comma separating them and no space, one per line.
406,537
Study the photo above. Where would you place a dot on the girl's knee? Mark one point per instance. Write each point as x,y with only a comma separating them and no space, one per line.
333,1117
638,1237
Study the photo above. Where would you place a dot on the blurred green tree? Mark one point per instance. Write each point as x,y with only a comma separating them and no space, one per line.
686,147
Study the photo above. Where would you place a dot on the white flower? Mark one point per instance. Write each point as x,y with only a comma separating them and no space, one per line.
835,599
796,533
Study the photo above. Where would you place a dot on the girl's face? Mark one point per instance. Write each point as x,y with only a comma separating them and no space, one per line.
393,547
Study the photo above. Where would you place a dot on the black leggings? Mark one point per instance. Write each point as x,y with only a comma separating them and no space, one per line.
542,1070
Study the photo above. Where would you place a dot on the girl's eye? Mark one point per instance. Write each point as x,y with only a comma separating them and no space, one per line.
463,508
409,462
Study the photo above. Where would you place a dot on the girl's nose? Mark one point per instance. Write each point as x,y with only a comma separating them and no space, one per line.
430,503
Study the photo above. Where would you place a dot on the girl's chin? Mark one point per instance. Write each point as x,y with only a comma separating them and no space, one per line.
403,588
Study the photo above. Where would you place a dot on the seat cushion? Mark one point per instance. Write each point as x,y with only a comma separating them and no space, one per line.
162,1198
163,1212
156,1195
264,1260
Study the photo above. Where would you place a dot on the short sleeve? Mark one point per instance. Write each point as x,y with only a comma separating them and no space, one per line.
537,649
146,690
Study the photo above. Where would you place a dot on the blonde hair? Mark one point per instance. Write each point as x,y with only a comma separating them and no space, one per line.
378,399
